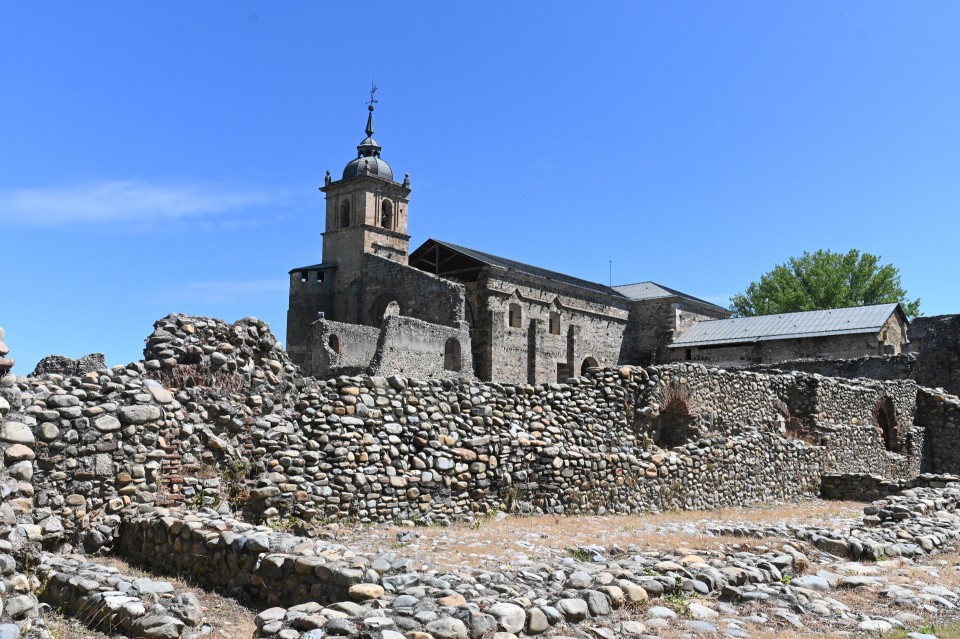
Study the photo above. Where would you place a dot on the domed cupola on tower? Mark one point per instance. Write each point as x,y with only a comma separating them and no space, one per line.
368,160
366,213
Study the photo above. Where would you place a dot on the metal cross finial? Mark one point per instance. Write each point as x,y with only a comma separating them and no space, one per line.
373,92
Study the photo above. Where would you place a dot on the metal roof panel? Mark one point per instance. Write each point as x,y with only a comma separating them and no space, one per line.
837,321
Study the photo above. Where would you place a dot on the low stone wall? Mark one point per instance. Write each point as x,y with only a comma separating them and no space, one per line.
870,487
256,562
102,598
882,367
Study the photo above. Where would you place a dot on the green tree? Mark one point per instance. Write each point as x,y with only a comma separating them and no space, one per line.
824,280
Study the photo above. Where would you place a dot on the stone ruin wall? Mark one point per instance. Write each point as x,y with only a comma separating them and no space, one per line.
400,344
938,340
217,416
381,448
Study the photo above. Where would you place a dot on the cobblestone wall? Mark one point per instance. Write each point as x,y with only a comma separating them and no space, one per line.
216,415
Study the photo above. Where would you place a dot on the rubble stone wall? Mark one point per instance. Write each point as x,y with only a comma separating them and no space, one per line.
217,416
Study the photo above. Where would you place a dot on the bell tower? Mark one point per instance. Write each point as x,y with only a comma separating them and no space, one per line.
366,208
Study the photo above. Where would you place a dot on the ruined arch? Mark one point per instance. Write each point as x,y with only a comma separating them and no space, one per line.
452,356
386,306
678,421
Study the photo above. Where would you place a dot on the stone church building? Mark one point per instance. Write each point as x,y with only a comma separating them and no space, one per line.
373,306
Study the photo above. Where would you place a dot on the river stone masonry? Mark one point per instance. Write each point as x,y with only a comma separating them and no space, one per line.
19,530
217,417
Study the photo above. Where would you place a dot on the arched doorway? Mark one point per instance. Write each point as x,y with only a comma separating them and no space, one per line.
334,343
452,358
588,364
386,306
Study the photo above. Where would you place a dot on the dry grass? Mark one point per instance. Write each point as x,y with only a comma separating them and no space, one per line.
61,627
488,543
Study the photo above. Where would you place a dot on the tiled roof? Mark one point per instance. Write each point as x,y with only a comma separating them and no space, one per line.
838,321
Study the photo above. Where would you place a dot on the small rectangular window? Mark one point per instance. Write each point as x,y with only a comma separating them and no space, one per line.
514,317
554,323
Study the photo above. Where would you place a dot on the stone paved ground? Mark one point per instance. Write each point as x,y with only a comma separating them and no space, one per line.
893,598
890,598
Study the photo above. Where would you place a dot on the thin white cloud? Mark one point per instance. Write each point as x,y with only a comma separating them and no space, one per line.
223,291
129,201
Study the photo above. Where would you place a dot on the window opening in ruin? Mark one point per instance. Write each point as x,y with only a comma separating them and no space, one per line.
515,317
392,309
677,423
345,214
587,364
303,276
452,359
334,343
554,323
563,372
386,214
886,419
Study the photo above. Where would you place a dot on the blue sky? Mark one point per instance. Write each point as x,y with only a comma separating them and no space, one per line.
165,157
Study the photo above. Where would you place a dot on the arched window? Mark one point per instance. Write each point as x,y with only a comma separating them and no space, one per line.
588,364
334,343
386,214
554,323
515,317
344,214
452,361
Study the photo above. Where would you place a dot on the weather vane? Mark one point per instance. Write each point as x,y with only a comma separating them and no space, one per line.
373,92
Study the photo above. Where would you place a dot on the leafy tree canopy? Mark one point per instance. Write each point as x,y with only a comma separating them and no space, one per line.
824,280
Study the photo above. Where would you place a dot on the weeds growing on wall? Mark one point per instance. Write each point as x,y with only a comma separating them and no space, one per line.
200,375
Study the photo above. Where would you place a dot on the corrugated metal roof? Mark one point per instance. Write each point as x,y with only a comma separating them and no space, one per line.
652,291
536,271
838,321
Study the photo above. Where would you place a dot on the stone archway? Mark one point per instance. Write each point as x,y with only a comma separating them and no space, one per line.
676,426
